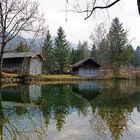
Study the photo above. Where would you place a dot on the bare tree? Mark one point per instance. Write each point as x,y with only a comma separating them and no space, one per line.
99,48
90,6
17,16
98,35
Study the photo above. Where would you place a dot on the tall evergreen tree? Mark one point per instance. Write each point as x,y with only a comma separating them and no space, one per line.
47,52
61,51
83,50
80,51
22,47
94,52
117,43
130,54
137,57
74,57
103,53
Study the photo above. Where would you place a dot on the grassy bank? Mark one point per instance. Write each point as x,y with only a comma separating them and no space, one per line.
104,75
15,78
57,78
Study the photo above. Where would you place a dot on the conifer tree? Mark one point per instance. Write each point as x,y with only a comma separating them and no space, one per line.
129,54
137,57
80,51
103,53
94,52
74,56
117,43
61,51
22,47
47,51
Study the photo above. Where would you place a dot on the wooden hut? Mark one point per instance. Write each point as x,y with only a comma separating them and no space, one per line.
86,67
26,62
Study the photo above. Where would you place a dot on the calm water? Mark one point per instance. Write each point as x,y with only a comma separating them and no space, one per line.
82,111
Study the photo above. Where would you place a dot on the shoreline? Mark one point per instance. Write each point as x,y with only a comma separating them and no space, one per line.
15,78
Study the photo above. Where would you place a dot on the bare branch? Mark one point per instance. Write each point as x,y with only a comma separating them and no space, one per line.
91,7
102,7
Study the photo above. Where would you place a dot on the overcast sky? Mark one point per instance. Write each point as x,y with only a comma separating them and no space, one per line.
76,28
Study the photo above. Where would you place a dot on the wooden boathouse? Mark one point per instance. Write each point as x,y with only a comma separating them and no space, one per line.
26,62
86,68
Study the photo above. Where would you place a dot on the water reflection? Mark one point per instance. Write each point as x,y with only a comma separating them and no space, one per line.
88,90
112,108
58,102
106,110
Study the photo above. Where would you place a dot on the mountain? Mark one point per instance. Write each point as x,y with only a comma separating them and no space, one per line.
35,46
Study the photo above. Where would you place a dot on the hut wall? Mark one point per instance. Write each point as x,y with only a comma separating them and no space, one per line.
16,65
35,66
12,64
89,68
88,72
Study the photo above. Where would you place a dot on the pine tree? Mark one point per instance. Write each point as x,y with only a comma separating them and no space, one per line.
117,43
103,53
61,51
22,47
80,51
74,56
94,53
83,50
47,52
137,57
129,54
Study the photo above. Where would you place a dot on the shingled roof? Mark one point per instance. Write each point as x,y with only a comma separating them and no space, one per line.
22,55
79,63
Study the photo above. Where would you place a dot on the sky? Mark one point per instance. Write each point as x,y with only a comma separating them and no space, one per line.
76,28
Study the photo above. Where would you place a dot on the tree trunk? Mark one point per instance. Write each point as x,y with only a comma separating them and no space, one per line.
116,72
1,116
61,70
1,59
0,66
3,44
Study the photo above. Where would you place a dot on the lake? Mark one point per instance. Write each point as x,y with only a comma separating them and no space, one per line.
105,110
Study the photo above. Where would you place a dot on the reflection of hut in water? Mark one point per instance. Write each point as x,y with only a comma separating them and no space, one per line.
18,111
136,100
18,94
21,93
35,92
88,90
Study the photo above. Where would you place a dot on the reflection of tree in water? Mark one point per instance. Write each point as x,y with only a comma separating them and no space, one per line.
110,105
52,104
112,109
17,108
58,102
20,110
8,128
1,117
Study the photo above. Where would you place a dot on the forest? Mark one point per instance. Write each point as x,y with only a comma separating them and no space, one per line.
111,49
